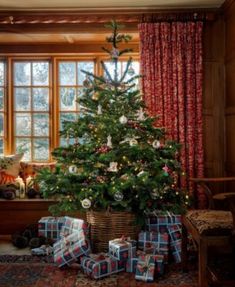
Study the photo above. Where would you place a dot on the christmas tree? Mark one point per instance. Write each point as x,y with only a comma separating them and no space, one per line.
120,160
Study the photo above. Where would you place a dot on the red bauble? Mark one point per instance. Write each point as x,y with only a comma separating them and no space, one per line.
103,149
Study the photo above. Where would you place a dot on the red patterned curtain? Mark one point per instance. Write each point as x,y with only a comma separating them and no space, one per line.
171,65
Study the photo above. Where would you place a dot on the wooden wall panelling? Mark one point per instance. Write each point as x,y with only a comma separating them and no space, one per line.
230,88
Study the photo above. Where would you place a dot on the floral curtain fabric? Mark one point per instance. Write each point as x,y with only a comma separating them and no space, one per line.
171,65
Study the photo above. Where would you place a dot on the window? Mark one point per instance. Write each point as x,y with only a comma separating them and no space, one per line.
31,109
40,96
2,105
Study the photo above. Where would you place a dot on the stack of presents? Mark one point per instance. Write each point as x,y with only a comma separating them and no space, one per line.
160,242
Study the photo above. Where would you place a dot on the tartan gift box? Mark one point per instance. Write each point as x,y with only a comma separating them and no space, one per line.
159,222
159,264
154,243
69,249
145,268
72,225
100,265
122,248
50,227
175,233
131,265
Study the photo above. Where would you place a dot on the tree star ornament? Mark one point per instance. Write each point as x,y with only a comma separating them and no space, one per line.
86,203
73,169
118,196
109,141
123,120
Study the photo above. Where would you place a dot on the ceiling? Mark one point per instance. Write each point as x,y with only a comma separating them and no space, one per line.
18,34
78,4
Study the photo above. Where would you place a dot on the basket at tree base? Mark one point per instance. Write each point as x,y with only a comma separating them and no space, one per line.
107,226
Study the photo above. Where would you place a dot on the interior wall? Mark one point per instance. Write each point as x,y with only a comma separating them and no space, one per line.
230,88
213,97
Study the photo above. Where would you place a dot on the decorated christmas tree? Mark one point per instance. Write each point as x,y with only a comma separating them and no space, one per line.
120,159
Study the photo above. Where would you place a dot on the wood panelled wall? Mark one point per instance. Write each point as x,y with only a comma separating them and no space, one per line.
230,88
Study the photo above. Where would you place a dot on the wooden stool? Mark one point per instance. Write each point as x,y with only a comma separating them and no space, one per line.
208,228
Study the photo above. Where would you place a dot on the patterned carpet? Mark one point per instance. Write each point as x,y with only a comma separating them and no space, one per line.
32,271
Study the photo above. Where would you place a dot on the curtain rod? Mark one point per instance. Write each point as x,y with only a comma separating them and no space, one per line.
178,16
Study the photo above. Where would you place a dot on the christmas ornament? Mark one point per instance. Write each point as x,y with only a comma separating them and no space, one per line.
118,196
141,173
114,53
166,170
124,177
131,71
86,83
123,120
101,179
113,166
133,142
73,169
99,111
154,193
86,203
140,115
95,96
109,141
156,144
103,149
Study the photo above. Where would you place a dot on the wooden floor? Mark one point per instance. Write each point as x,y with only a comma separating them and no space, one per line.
6,247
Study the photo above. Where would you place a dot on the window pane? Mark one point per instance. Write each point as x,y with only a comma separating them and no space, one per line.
40,74
24,145
68,99
67,73
1,74
41,149
86,66
1,99
22,99
1,124
1,146
22,74
40,99
23,124
69,117
41,125
110,67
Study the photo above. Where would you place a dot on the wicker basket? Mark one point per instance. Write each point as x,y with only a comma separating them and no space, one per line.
106,226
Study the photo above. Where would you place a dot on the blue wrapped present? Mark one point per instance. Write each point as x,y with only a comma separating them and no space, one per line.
72,225
70,248
145,268
154,243
175,233
50,227
159,222
122,248
101,265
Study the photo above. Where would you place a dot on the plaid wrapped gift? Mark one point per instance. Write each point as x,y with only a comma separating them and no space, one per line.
100,265
74,225
68,250
175,233
154,243
122,248
131,265
159,222
145,268
50,227
159,264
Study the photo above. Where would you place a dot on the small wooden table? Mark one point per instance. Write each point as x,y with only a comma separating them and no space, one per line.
219,196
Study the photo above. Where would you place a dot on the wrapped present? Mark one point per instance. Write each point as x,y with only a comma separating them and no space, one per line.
145,268
159,222
159,264
175,234
131,265
154,243
50,227
100,265
70,248
72,225
122,248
